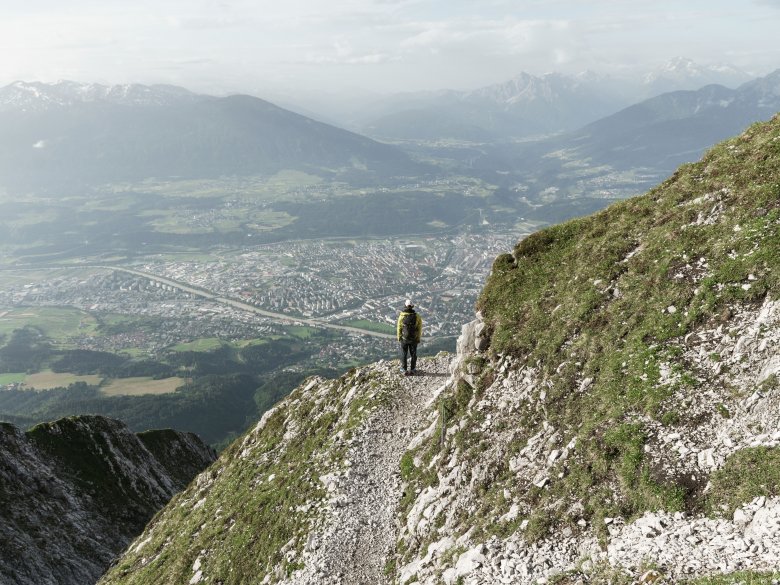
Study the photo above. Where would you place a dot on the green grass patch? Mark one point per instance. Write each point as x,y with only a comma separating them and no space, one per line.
205,344
12,378
746,474
603,296
58,324
256,518
741,578
301,331
370,326
292,179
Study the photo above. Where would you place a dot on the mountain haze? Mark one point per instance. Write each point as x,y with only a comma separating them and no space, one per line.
532,105
70,135
631,150
611,414
523,106
36,96
676,127
681,73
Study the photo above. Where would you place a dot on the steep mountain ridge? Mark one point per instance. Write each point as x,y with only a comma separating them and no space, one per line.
634,148
610,416
670,129
75,491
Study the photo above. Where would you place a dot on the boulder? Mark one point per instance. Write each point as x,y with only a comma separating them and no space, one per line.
469,561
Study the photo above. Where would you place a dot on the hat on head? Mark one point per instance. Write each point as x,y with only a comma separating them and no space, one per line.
409,303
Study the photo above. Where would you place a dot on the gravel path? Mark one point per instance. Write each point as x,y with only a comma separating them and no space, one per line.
361,531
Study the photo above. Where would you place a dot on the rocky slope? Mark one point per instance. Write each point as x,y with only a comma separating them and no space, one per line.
74,492
610,416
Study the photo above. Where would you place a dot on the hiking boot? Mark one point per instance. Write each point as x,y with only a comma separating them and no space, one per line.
413,373
408,374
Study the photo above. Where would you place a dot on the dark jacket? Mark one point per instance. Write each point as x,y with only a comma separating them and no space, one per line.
399,326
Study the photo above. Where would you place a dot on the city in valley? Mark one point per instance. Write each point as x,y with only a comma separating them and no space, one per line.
344,292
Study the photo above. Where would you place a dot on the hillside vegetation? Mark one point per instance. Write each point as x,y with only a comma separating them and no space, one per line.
611,416
608,298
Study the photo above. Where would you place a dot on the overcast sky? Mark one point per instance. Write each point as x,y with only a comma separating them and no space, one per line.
222,46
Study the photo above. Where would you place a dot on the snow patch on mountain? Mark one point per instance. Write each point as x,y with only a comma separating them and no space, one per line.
37,96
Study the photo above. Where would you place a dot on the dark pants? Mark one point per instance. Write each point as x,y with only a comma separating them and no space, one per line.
409,347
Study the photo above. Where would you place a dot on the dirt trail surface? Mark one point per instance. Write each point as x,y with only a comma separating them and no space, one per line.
360,531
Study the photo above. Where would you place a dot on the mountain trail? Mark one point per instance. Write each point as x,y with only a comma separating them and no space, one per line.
359,535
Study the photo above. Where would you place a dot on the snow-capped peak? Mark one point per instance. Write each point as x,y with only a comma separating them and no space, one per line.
683,73
37,96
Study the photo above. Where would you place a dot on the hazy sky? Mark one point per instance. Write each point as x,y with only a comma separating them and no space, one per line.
223,46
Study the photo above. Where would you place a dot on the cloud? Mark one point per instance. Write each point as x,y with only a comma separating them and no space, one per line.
398,44
342,53
205,22
495,37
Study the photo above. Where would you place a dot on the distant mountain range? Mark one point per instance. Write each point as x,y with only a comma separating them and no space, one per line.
525,105
616,156
68,135
684,74
36,96
662,132
529,105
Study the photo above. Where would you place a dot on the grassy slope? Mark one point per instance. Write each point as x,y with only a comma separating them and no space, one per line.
590,299
251,512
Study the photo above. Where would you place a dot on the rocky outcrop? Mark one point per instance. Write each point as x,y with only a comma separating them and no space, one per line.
473,339
74,492
366,518
678,544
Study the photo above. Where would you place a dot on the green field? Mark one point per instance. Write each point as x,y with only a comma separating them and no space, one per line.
258,341
301,331
279,186
221,221
370,326
17,277
115,202
58,324
140,386
12,378
212,343
46,380
269,220
205,344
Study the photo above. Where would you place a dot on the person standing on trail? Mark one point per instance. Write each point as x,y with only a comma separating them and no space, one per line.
409,332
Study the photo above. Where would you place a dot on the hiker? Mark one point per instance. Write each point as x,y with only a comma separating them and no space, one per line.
409,331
